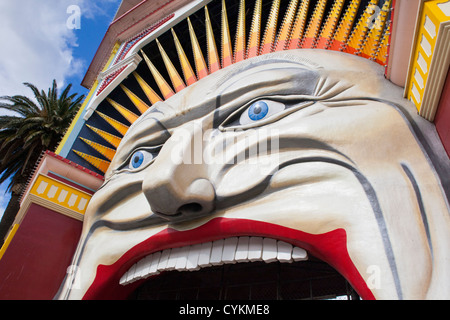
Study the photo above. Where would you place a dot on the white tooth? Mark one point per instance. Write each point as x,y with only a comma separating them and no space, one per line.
242,250
162,264
142,267
299,254
255,246
192,259
229,250
182,259
123,280
269,250
172,262
131,272
154,265
205,254
216,252
284,251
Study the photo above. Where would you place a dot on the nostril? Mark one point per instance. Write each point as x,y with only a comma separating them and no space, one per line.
192,207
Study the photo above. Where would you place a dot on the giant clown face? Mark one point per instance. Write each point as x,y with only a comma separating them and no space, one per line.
313,151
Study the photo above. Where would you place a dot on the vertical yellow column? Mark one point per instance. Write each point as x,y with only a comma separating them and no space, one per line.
425,44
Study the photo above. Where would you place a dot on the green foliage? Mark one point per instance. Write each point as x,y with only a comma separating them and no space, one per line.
39,125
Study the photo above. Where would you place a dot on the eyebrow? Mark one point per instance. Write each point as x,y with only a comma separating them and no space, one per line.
303,64
139,138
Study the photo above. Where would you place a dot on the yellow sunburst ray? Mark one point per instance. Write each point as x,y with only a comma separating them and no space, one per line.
163,86
200,64
271,29
282,40
382,53
112,139
295,39
330,25
239,47
356,39
151,95
375,34
119,126
138,103
227,50
212,54
314,25
177,82
345,26
100,164
127,114
188,72
255,31
108,153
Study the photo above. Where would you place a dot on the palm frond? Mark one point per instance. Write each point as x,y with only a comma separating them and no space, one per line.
37,125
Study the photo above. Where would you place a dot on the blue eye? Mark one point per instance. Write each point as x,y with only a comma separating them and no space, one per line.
139,159
260,110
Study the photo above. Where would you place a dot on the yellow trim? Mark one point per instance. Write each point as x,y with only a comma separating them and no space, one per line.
77,117
88,98
431,11
61,194
112,56
8,240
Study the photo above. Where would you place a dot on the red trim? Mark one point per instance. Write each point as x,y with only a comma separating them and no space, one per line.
136,7
330,247
145,17
109,79
109,30
70,183
74,164
141,35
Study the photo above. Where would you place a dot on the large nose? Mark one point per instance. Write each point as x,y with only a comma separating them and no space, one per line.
176,185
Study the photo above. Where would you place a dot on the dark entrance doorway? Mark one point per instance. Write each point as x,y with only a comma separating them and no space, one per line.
312,279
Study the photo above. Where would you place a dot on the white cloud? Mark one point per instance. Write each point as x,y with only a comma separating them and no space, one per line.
37,45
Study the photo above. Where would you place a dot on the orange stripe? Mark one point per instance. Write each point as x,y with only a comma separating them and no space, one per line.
252,52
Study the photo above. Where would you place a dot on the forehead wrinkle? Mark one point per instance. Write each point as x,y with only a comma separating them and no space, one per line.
263,61
142,130
266,83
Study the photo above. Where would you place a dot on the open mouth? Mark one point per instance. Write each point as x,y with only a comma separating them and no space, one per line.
219,243
219,252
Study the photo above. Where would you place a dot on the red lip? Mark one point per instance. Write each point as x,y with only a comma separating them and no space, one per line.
330,247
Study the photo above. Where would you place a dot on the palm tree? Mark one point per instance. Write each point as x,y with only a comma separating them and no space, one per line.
38,126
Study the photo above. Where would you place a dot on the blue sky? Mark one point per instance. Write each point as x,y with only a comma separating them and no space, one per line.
42,41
